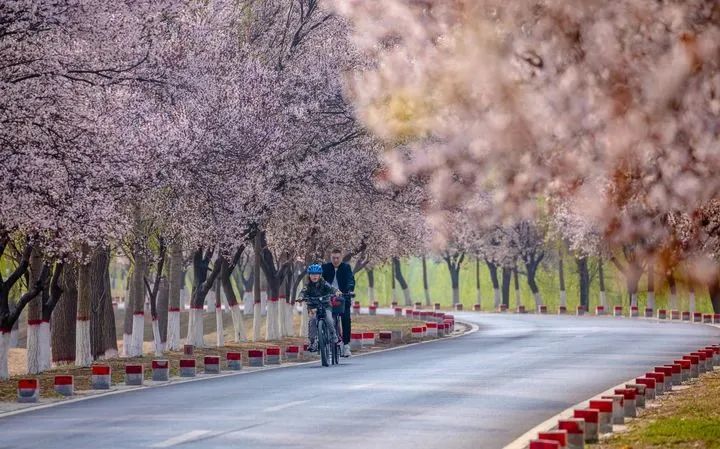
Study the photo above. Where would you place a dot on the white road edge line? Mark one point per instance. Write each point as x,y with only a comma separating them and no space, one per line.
277,408
523,441
180,439
473,328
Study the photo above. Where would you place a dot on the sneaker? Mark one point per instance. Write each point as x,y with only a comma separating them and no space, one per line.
346,351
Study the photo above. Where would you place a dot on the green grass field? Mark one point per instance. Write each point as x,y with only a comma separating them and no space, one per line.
440,289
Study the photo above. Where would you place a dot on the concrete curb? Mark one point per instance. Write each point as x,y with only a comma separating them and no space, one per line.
120,389
523,441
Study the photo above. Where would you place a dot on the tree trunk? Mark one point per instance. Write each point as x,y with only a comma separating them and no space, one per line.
673,291
219,327
257,294
102,331
137,299
235,313
426,288
651,286
392,282
163,301
518,298
175,281
401,280
34,345
83,348
601,279
63,319
584,278
531,268
371,285
714,290
495,283
561,273
478,300
506,278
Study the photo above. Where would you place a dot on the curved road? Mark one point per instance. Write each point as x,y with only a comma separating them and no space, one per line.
480,390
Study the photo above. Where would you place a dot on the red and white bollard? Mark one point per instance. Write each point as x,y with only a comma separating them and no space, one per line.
64,385
356,309
639,394
28,390
458,307
697,317
356,340
187,368
618,311
372,310
211,364
605,409
618,407
272,355
716,318
409,314
418,305
659,382
520,309
562,310
580,311
694,365
477,307
544,444
675,315
702,361
543,310
575,428
100,377
256,357
503,308
292,353
649,312
707,318
634,312
436,306
629,401
600,310
685,316
234,361
431,329
662,314
685,367
591,416
649,384
134,374
676,373
385,336
398,312
440,329
417,332
559,436
368,338
160,370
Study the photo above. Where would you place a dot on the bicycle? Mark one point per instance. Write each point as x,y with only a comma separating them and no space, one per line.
329,351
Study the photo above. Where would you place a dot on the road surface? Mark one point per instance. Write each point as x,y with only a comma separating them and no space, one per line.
478,391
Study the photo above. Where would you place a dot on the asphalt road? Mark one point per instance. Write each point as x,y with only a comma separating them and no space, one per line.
478,391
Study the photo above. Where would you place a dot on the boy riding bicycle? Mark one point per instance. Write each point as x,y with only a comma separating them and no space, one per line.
316,287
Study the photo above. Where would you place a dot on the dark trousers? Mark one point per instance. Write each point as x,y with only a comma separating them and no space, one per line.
346,323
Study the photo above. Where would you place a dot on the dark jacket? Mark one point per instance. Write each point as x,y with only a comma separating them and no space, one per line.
346,278
315,289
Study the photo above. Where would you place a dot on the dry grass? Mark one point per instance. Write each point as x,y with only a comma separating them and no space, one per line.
82,375
686,419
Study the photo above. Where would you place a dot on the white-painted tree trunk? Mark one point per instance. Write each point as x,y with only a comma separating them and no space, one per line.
497,298
271,330
33,347
45,360
673,301
257,321
304,321
184,299
263,303
651,300
110,353
289,322
14,338
408,299
282,332
83,350
239,334
633,300
563,298
219,328
603,299
691,301
158,345
4,352
247,303
174,341
127,338
138,334
455,296
538,300
371,295
195,335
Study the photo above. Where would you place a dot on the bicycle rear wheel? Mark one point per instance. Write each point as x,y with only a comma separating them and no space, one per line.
323,343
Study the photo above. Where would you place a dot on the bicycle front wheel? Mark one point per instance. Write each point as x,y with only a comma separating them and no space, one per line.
323,343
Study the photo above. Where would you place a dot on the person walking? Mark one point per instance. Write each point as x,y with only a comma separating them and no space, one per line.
339,274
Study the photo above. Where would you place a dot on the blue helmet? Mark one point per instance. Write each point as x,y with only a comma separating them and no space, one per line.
314,269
